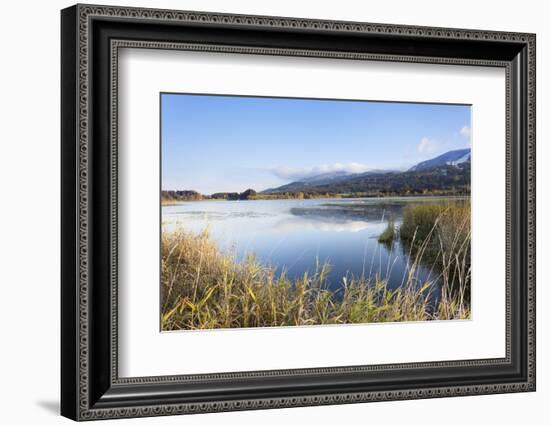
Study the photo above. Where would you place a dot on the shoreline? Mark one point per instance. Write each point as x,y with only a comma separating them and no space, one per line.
335,197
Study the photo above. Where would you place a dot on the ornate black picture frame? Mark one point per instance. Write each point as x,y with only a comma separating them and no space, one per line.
91,36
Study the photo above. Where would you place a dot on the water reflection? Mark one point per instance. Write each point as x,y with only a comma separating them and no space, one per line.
296,236
295,224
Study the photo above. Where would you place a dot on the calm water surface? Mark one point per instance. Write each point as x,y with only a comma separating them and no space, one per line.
297,235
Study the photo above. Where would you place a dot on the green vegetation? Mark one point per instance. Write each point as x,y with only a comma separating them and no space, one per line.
203,288
246,195
444,225
388,235
442,232
170,197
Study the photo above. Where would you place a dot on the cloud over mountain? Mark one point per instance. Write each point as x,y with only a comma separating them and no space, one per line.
290,173
428,146
465,131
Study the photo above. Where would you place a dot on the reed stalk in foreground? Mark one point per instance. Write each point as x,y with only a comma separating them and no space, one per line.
203,289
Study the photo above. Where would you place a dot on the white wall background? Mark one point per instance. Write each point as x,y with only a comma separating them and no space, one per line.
29,213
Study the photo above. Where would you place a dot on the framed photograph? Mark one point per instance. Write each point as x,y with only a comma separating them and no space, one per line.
263,212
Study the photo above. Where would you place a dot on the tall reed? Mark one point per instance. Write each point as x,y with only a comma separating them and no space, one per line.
443,229
203,288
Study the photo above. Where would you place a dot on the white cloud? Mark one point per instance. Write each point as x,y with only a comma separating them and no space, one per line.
284,172
428,146
465,131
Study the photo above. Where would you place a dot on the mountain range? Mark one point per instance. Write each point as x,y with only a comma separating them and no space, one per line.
448,172
450,158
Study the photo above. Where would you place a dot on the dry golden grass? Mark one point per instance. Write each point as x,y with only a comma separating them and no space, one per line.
203,288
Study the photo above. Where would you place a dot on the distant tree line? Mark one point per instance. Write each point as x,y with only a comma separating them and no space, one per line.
246,195
190,195
446,180
181,196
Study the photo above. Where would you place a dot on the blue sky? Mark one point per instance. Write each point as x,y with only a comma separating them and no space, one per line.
231,143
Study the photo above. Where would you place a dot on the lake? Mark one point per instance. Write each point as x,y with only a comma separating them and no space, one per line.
297,235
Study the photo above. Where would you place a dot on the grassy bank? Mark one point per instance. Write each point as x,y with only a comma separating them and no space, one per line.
203,289
441,233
